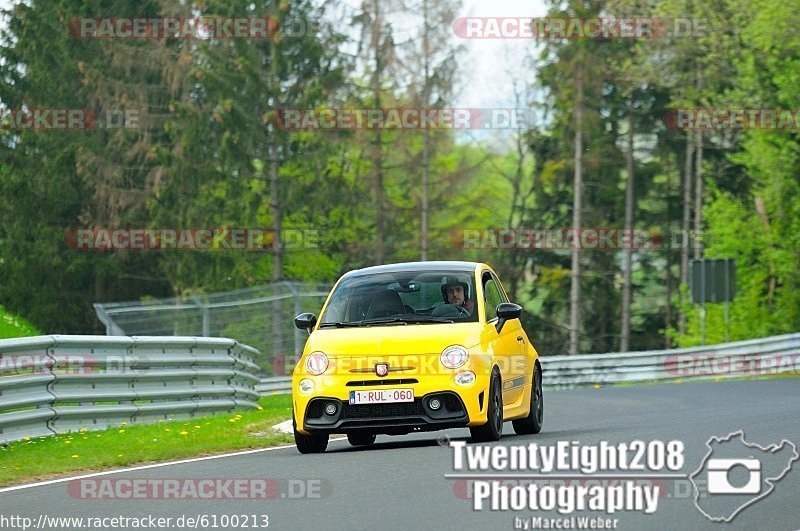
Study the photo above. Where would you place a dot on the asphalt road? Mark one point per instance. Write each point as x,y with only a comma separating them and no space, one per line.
400,483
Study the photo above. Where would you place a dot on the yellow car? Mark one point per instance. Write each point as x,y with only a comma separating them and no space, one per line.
413,347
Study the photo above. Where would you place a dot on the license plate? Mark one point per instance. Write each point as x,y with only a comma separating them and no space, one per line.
382,396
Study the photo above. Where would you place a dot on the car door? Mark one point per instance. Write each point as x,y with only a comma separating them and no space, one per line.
509,345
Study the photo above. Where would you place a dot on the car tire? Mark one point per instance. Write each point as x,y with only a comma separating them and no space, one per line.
493,429
309,444
533,422
361,439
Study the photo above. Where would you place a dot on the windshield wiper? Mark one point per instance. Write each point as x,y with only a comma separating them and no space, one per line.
381,320
404,320
338,324
416,319
427,319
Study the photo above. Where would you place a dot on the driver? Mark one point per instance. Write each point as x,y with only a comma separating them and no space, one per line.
457,293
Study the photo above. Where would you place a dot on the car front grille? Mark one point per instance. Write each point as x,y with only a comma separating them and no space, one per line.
365,411
395,381
451,402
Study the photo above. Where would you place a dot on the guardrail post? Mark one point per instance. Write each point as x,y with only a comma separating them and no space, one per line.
206,315
298,335
112,329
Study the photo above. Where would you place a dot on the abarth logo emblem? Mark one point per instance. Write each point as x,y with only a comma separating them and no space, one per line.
381,369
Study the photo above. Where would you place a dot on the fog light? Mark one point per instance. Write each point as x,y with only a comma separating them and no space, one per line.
465,378
306,386
435,403
330,409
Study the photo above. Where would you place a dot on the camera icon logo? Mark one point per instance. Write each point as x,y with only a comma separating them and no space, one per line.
719,472
735,474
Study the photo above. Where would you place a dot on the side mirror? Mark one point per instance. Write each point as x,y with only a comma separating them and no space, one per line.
505,312
306,321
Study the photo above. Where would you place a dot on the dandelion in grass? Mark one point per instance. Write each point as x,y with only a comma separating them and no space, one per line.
184,433
74,456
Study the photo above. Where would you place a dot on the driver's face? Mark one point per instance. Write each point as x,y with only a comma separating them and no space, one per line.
455,295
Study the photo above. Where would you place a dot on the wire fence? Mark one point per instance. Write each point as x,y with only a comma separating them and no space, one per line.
262,317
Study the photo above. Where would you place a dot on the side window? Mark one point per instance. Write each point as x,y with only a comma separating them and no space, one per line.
491,296
503,297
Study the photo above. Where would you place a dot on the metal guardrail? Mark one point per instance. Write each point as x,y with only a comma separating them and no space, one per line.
56,384
260,316
753,357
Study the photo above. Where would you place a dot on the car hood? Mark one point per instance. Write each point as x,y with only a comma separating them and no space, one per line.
397,339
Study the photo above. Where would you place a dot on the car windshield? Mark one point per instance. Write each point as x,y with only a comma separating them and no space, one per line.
402,297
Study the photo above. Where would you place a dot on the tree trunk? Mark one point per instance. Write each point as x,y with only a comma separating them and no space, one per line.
685,226
274,186
276,214
668,309
426,149
275,211
626,289
575,295
377,140
772,280
668,256
698,196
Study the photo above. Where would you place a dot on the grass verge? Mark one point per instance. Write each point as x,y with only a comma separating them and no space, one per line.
48,457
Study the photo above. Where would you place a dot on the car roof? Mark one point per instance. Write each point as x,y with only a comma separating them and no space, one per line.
456,266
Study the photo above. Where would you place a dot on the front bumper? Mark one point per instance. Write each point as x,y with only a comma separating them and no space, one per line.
400,417
462,406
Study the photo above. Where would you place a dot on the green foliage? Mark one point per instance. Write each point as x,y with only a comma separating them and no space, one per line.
766,245
203,158
15,326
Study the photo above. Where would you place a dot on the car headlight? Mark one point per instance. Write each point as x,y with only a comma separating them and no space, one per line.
316,363
454,356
